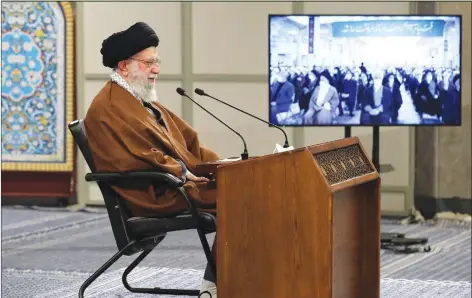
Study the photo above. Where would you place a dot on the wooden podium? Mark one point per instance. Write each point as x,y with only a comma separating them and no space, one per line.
304,224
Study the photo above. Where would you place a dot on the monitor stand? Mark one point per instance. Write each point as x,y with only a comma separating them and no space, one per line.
375,144
392,241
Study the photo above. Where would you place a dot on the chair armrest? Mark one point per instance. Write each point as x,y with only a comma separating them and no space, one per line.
146,176
153,177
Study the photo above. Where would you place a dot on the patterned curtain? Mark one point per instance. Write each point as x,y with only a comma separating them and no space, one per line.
37,86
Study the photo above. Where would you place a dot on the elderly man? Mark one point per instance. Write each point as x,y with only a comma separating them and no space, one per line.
282,94
377,105
129,130
323,102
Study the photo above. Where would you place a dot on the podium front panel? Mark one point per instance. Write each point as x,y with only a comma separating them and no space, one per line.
341,164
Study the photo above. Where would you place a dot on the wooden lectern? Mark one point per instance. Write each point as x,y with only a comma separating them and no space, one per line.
299,224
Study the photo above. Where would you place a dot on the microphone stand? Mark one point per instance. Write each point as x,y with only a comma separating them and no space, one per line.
203,93
245,154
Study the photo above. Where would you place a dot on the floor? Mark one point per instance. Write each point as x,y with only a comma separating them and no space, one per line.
49,252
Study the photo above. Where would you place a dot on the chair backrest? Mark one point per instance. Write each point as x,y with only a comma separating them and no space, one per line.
117,210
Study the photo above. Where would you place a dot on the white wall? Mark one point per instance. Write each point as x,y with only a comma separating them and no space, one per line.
233,39
228,58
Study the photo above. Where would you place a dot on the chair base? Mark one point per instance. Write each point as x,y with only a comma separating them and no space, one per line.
157,290
161,291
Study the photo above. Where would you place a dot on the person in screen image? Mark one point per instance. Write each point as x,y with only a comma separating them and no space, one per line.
363,68
307,91
393,86
282,94
400,78
361,90
439,77
427,99
451,102
128,129
336,78
377,106
323,102
298,84
273,75
413,82
348,94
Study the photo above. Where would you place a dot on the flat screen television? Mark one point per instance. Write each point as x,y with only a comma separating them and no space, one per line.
364,70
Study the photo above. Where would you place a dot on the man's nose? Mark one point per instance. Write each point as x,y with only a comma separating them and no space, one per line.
156,69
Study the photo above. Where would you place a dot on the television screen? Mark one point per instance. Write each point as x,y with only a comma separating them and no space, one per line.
328,70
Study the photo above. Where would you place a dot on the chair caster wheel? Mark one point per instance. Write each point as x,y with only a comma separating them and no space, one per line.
427,248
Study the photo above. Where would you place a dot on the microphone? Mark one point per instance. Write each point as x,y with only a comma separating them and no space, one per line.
244,155
202,93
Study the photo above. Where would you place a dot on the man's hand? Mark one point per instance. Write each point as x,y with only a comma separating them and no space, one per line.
374,112
190,176
327,106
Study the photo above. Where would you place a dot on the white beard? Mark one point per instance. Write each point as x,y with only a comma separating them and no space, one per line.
143,89
147,95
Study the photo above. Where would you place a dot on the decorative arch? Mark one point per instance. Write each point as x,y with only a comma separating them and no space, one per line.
37,86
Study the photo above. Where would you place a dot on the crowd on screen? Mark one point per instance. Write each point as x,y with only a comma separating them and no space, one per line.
322,94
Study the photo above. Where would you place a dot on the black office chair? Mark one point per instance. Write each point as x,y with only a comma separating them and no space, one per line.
141,234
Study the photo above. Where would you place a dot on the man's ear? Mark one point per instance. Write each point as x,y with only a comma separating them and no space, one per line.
123,67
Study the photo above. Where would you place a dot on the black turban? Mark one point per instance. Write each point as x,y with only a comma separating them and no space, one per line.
122,45
327,75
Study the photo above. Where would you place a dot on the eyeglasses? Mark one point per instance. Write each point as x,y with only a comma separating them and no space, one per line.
148,63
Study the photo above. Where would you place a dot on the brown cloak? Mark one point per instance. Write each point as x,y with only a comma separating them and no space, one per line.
124,136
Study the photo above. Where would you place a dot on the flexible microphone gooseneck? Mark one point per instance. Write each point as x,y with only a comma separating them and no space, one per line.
245,154
203,93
